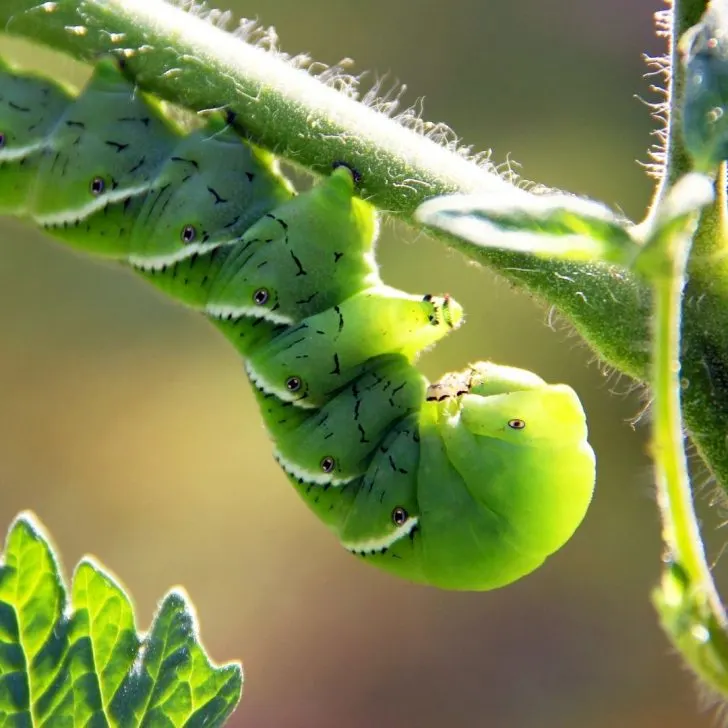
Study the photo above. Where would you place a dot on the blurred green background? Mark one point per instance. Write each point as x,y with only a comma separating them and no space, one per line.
127,425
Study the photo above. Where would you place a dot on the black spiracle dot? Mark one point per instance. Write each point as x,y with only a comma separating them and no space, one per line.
354,174
260,297
188,234
97,186
399,516
293,384
516,424
328,464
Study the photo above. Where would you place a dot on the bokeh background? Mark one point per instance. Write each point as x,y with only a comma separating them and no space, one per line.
127,425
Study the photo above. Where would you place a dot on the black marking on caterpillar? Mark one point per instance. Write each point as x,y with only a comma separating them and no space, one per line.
299,265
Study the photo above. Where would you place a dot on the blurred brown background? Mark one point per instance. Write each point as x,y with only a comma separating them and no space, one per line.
126,423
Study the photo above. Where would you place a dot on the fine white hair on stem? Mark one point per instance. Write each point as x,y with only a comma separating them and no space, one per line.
383,95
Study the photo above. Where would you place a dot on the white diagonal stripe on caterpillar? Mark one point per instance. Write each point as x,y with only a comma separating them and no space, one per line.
160,262
232,312
281,392
375,545
310,477
10,154
74,215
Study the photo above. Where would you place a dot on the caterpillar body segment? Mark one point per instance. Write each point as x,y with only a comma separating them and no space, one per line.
335,444
324,240
382,527
29,110
313,358
467,483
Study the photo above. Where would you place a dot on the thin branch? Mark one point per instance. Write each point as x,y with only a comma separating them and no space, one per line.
687,600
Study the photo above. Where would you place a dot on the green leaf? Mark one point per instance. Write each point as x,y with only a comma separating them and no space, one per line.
550,226
83,663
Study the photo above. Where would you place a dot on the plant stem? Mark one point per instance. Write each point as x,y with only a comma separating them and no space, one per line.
687,601
687,279
680,528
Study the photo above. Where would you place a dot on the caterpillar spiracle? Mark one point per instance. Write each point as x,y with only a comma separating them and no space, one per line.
468,483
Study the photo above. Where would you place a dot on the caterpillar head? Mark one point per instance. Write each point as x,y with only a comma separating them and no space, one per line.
519,472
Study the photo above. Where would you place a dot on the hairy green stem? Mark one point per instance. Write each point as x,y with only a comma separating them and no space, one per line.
687,600
191,62
690,341
680,527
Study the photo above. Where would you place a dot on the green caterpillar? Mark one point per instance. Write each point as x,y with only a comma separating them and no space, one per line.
468,483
